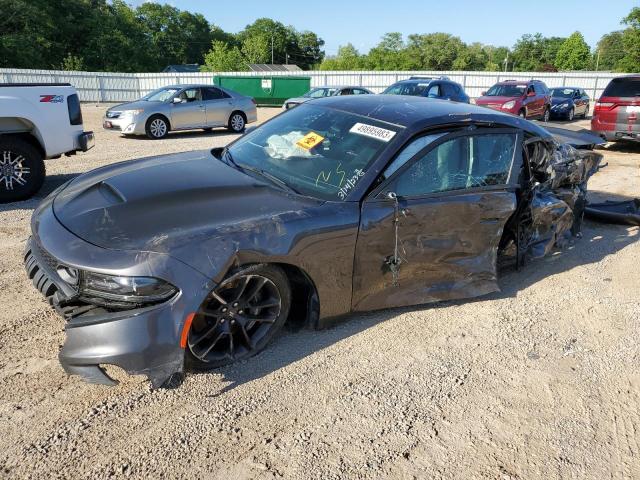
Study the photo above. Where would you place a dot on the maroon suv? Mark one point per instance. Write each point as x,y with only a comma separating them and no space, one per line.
529,99
616,115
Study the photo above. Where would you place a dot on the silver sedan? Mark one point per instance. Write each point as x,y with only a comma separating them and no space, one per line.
320,92
182,107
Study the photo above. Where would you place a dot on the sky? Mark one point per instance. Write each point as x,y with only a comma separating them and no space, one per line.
362,23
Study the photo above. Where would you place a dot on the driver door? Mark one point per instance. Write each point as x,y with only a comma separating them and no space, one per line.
445,208
191,112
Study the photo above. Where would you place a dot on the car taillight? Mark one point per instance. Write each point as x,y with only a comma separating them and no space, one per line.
604,105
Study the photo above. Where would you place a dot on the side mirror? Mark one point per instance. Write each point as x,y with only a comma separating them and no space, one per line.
483,93
176,100
531,94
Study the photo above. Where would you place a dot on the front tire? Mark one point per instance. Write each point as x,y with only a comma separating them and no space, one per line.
522,113
571,115
157,127
239,317
22,169
237,122
546,115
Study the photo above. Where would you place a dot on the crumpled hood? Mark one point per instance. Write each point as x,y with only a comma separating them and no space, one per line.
166,202
559,100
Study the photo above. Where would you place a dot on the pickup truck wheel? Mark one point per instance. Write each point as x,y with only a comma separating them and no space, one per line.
22,170
157,127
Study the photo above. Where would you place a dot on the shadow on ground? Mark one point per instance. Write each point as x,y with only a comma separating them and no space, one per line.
598,242
51,182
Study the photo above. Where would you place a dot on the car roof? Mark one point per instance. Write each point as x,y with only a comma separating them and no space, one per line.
570,88
338,87
420,112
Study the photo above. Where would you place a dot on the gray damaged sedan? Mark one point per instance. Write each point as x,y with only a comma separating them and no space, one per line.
340,205
182,107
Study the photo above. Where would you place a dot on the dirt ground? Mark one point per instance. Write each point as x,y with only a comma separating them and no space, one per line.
541,380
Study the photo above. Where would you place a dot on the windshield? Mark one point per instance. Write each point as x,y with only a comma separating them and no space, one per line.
506,91
415,89
160,95
562,92
316,151
320,92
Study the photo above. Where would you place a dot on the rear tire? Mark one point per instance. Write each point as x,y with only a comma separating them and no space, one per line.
22,169
239,317
237,122
157,127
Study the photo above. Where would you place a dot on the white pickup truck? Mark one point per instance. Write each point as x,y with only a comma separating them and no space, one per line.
37,122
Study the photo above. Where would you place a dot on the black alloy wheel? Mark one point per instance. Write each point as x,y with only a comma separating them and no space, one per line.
22,169
239,318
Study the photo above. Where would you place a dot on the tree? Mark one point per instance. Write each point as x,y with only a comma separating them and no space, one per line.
348,58
389,54
224,58
471,57
630,62
573,54
609,51
433,51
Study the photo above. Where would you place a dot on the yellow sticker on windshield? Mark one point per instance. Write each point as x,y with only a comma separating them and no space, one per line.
310,140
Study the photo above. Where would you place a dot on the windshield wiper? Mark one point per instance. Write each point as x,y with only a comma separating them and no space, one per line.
278,181
226,154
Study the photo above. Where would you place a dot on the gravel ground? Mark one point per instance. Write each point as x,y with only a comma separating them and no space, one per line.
538,381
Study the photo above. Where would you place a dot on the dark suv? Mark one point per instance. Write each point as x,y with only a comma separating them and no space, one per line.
440,87
528,99
616,115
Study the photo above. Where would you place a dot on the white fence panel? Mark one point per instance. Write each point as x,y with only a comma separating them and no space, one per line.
121,87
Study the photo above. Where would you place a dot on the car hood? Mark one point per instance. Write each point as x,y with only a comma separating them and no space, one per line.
137,105
559,100
167,202
496,99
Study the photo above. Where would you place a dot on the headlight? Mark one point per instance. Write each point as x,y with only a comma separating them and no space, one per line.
509,105
131,113
125,289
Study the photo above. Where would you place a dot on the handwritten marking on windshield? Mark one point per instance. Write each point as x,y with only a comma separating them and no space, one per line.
349,184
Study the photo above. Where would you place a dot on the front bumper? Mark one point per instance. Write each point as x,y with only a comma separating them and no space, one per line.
141,341
130,125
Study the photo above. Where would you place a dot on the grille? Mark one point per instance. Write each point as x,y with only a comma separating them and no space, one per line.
41,277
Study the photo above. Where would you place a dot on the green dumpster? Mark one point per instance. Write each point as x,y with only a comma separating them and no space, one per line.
267,90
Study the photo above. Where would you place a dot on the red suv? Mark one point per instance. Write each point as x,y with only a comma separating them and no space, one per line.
528,99
616,115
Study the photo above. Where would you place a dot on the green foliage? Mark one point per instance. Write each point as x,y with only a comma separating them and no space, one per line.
609,51
348,58
110,35
573,54
224,58
630,62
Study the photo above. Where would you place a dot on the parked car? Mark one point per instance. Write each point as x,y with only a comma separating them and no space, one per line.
343,204
182,107
528,99
37,121
321,92
616,115
440,87
569,102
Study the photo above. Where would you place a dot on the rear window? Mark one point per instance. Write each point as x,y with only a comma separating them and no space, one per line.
623,87
75,113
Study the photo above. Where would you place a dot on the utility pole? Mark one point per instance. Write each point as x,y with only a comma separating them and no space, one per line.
597,59
506,61
271,49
